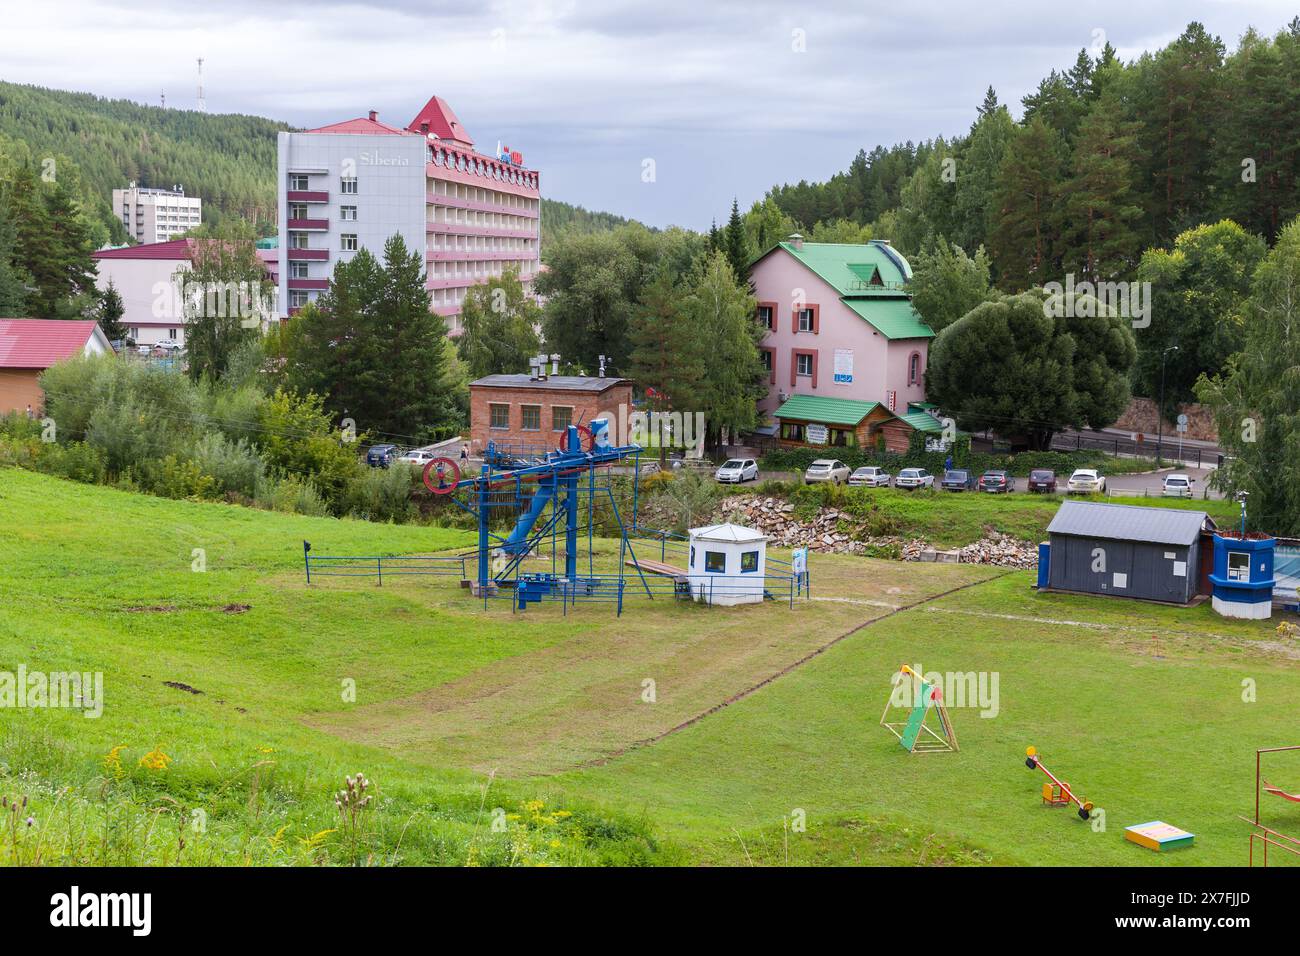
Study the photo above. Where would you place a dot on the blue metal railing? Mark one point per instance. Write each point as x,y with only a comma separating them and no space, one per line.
377,565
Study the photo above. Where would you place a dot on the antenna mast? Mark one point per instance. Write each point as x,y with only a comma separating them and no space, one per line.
203,106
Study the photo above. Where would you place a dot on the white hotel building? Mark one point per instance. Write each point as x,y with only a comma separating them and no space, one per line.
352,185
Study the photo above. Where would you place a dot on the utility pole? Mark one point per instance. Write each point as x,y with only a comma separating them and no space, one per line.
203,106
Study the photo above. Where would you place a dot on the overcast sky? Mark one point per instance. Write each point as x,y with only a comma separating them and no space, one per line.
727,98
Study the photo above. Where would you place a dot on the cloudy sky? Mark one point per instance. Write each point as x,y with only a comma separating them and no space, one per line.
727,97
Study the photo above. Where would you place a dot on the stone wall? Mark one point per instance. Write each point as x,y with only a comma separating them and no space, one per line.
1140,416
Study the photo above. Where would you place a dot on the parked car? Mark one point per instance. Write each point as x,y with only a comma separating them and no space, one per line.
996,482
912,478
736,470
168,345
827,469
871,476
957,479
381,456
1043,481
1178,486
1086,481
418,457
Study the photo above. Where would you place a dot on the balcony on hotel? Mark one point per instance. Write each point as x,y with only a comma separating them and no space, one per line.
308,225
317,284
308,195
308,255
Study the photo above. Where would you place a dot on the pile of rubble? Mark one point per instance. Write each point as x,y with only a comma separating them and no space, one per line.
836,531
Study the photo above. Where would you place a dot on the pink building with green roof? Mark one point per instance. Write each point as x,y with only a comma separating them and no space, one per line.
842,329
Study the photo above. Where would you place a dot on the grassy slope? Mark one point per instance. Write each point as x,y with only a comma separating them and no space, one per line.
78,559
1145,731
444,688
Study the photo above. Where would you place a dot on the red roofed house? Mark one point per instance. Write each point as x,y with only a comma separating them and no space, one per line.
29,346
143,275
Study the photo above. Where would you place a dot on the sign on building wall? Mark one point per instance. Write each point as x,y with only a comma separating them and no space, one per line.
844,366
816,434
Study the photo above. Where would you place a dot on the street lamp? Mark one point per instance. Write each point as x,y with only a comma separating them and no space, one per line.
1160,408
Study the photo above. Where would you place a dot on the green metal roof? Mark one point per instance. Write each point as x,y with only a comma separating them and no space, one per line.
923,422
841,265
892,318
825,411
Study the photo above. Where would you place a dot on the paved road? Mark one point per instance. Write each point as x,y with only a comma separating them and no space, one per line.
1150,485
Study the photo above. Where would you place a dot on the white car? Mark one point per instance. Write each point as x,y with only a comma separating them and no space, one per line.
737,470
871,476
168,345
827,469
912,478
417,456
1086,481
1178,486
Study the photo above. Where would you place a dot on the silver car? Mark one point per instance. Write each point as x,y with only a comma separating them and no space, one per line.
912,478
870,476
736,470
827,469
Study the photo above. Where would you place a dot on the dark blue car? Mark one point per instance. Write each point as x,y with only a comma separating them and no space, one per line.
381,456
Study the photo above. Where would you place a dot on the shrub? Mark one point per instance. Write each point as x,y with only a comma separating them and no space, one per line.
382,494
291,495
233,465
76,460
686,500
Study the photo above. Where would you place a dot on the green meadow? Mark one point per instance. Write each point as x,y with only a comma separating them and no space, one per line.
238,700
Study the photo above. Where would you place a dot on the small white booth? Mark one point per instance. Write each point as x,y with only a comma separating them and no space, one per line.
728,564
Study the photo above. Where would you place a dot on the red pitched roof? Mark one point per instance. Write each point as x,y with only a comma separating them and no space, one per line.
173,249
442,122
39,343
363,126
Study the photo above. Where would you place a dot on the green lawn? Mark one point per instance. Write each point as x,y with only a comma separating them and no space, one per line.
760,716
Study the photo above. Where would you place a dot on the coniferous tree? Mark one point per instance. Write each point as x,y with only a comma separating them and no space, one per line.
109,313
1099,240
1026,220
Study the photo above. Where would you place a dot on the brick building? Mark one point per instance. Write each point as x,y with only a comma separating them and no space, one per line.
524,411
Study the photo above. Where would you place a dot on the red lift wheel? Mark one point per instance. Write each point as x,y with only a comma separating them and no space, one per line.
441,466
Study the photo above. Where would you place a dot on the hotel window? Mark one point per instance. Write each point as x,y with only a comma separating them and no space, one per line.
348,213
348,242
297,270
1238,566
561,416
765,316
498,416
531,418
348,185
297,210
298,240
805,320
297,299
804,365
298,182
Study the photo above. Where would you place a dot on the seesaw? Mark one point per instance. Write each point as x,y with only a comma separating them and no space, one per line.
1057,793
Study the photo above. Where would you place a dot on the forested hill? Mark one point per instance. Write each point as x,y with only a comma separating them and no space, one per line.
229,160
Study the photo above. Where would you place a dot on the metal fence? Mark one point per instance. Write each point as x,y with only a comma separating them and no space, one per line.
378,565
1118,445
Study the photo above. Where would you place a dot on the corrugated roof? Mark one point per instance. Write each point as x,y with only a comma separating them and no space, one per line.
824,410
568,383
361,126
923,421
1095,519
839,264
892,318
173,249
39,343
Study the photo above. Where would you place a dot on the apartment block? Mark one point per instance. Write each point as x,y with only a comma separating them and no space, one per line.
351,185
156,215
